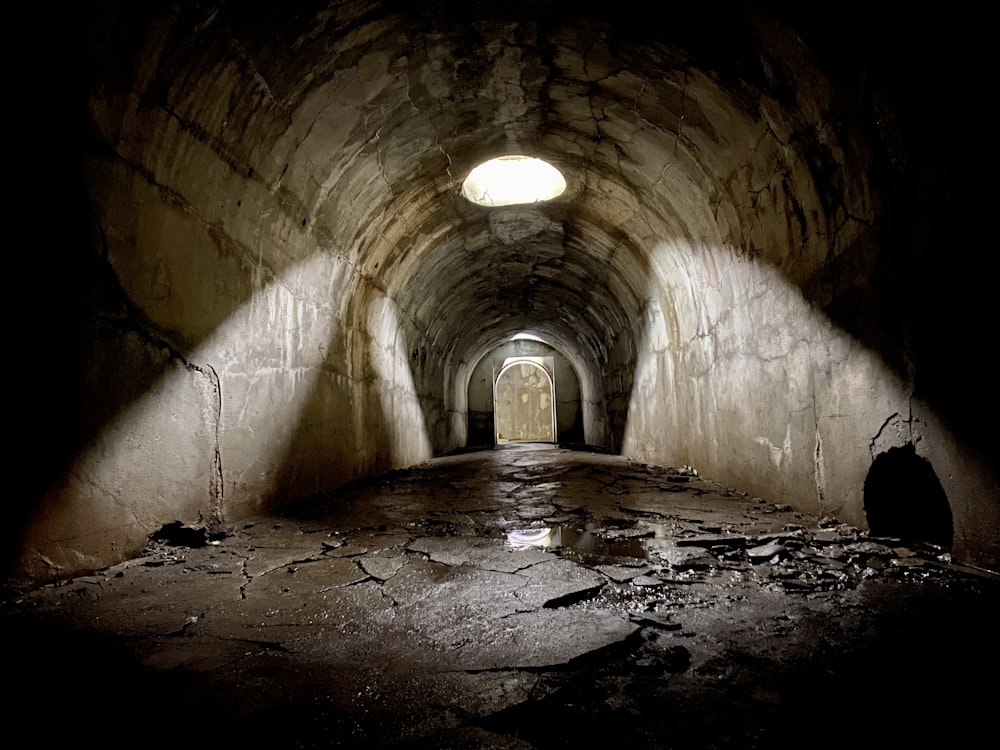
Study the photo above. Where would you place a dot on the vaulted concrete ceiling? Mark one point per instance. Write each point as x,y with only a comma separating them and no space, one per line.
365,117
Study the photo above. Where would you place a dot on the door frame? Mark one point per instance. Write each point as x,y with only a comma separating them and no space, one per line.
547,365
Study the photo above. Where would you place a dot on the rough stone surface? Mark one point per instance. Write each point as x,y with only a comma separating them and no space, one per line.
318,628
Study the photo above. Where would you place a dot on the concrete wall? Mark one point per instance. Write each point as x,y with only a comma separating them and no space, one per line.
268,283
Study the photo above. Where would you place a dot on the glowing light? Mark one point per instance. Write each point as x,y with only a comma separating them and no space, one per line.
527,337
521,539
512,180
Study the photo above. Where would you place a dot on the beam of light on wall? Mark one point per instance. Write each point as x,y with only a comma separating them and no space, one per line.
236,401
513,180
739,376
456,389
395,391
153,462
270,356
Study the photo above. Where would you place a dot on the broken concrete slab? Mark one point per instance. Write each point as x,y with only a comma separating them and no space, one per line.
623,573
555,583
766,552
686,558
525,640
477,551
371,631
306,578
382,567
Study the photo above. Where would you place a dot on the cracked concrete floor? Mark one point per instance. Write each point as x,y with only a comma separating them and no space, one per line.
524,597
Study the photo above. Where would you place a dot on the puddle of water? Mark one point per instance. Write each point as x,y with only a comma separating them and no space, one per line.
584,545
529,538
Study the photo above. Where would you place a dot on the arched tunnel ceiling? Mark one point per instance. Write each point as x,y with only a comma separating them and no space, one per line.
366,117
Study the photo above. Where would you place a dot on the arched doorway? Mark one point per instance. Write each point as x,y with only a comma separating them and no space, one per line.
524,403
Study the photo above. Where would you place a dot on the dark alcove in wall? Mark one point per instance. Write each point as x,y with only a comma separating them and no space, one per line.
566,384
904,498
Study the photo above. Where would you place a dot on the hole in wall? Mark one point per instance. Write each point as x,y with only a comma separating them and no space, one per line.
905,499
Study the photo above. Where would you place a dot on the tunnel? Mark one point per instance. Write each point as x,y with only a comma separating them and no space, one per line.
326,441
265,280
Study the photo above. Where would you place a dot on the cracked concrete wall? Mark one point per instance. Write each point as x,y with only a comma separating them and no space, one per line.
765,368
745,266
762,367
311,378
154,410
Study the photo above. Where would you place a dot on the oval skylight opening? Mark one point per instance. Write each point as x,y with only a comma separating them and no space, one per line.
513,180
527,337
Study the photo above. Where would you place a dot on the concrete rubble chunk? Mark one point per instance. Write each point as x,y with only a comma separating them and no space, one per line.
686,558
647,581
382,568
833,552
766,552
635,532
871,548
732,541
827,536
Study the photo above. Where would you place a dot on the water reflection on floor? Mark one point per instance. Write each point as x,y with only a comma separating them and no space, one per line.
586,545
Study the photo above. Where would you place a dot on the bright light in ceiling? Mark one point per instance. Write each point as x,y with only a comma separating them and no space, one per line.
527,337
512,180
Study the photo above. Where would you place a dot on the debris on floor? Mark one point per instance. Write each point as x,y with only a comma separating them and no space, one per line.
179,534
525,597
